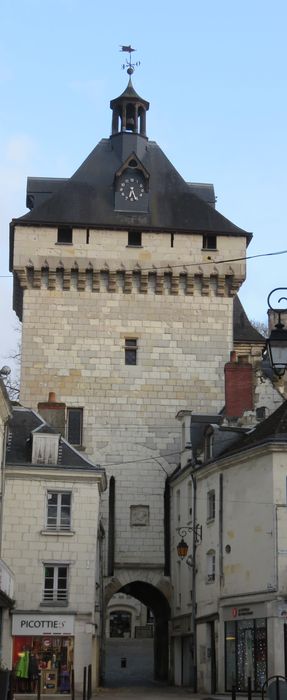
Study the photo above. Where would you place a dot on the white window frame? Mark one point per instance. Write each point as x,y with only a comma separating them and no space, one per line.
56,595
58,527
210,566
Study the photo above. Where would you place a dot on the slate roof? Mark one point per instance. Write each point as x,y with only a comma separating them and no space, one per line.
23,423
272,430
87,198
243,331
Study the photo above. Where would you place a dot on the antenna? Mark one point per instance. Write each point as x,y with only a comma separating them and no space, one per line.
128,65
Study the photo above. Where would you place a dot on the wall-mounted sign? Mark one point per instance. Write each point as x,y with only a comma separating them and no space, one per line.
38,625
241,612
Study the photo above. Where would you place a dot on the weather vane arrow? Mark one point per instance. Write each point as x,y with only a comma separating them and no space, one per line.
128,64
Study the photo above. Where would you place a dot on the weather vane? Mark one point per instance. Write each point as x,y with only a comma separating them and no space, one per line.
128,64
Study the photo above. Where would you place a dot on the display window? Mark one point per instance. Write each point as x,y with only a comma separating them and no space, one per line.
245,654
50,656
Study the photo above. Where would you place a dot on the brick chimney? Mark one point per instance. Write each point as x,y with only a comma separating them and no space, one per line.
53,412
238,387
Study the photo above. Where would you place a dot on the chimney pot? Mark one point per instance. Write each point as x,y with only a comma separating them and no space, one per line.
52,397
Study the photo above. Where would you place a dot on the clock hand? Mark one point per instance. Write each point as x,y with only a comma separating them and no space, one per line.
132,194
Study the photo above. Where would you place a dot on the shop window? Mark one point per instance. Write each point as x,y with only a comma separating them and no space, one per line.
131,351
245,654
210,561
134,238
75,426
58,511
211,505
209,242
65,235
55,584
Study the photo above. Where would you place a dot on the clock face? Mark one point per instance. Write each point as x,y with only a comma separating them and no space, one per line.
131,189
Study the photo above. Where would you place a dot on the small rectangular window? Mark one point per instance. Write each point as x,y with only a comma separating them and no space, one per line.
211,505
65,234
210,566
74,425
209,242
58,511
55,583
134,238
131,351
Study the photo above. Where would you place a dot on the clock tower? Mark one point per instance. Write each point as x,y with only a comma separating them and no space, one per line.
124,282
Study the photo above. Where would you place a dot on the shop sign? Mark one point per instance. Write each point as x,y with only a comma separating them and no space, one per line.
38,625
242,612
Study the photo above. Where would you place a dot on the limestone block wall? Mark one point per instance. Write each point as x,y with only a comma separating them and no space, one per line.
81,301
25,548
73,344
37,247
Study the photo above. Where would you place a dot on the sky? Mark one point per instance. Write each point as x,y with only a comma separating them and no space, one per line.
214,72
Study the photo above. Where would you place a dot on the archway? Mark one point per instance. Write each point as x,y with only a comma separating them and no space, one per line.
155,600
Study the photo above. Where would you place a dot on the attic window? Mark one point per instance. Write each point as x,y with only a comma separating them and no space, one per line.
65,235
208,443
45,448
261,412
209,242
132,163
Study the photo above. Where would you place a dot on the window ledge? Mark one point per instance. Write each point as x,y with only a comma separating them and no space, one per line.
66,533
134,246
54,604
64,243
207,250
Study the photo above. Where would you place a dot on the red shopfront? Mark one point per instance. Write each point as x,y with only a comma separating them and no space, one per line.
43,644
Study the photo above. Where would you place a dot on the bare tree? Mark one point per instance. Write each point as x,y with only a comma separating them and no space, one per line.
12,379
261,327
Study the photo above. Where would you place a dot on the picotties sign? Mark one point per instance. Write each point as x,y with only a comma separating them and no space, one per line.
37,625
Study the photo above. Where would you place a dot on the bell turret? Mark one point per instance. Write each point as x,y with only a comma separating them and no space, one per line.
129,112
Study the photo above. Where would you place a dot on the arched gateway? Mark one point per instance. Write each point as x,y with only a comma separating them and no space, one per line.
155,595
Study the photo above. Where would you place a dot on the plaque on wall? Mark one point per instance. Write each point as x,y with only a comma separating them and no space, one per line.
139,515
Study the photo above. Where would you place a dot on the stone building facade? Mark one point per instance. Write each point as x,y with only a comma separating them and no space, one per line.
53,552
125,287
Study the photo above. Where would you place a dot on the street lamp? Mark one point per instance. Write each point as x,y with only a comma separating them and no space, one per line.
182,547
276,344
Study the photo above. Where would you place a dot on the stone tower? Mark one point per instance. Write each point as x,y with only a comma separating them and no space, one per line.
127,305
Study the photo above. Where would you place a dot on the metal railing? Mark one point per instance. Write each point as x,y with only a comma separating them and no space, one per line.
274,687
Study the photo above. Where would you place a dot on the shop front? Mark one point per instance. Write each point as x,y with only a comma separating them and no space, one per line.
43,645
245,646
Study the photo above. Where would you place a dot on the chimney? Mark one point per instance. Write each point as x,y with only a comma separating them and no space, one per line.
238,387
53,413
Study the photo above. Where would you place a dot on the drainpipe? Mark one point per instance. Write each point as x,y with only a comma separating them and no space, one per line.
194,606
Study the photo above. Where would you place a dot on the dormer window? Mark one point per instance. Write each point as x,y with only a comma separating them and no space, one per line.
45,448
208,443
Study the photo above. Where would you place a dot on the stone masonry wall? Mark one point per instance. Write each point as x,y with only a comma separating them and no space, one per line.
81,302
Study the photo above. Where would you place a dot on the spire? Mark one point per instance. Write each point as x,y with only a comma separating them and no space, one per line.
129,109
